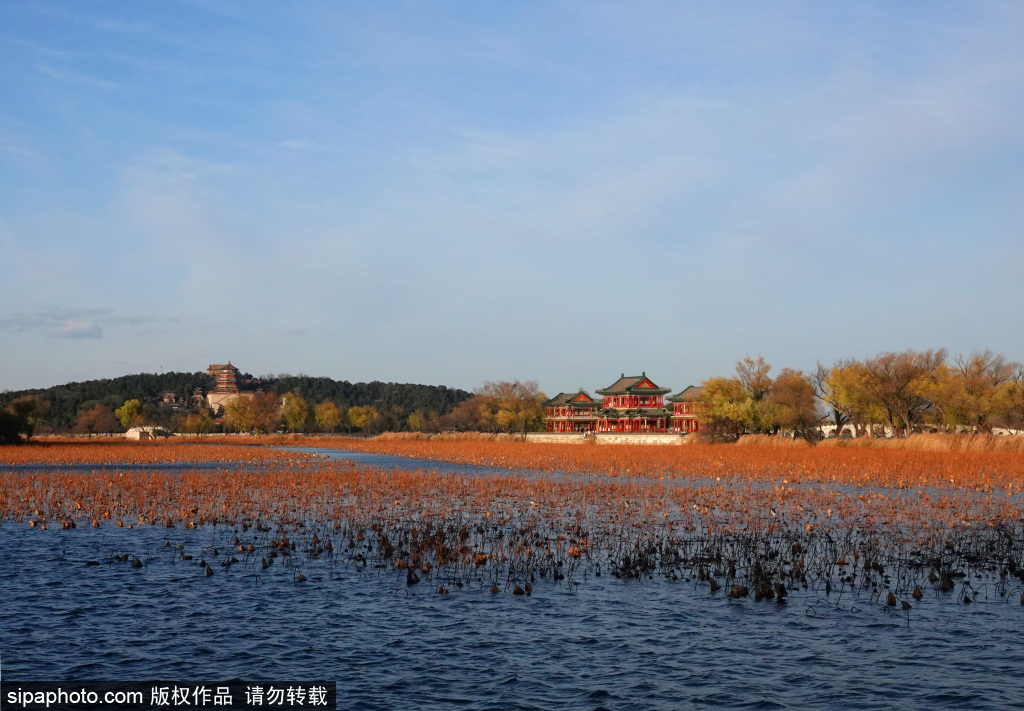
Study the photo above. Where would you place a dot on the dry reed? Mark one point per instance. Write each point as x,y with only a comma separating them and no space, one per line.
109,451
851,466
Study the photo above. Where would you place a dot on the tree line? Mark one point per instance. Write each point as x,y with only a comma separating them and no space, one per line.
896,393
66,403
495,407
98,406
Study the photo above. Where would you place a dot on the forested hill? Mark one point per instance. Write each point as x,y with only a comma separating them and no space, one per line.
68,401
383,397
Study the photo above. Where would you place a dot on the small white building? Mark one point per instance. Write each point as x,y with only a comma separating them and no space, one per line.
146,433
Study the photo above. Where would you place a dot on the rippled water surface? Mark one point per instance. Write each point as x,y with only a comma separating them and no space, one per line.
606,644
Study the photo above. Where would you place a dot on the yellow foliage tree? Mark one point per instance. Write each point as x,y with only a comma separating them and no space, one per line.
512,406
295,412
257,414
976,393
362,418
850,389
130,414
327,416
197,423
793,404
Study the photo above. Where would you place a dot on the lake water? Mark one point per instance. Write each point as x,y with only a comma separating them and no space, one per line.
605,644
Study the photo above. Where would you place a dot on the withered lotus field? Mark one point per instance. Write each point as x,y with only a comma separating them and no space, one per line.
749,521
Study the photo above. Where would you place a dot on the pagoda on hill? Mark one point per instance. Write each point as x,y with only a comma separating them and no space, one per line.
226,376
633,403
228,385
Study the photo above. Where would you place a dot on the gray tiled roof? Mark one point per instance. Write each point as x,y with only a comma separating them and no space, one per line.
689,394
627,384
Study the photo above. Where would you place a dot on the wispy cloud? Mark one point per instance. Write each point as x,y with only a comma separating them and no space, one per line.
76,78
37,47
77,323
16,148
78,329
100,24
52,318
141,320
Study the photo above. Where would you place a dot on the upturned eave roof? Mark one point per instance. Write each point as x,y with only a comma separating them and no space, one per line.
627,385
573,400
689,394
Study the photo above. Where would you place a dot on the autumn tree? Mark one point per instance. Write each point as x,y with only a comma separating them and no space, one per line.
734,406
237,415
1014,417
197,422
975,393
97,419
753,402
415,421
327,416
723,410
257,414
896,392
295,412
850,386
431,421
753,377
470,414
838,412
363,418
892,383
793,404
424,421
513,406
131,414
488,411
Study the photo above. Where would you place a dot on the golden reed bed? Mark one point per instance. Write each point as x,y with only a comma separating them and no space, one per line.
879,467
56,452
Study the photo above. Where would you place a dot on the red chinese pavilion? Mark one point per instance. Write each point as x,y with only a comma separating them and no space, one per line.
684,410
633,404
572,412
630,404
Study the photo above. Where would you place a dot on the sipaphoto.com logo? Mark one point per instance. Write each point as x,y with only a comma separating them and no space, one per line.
62,697
80,696
163,695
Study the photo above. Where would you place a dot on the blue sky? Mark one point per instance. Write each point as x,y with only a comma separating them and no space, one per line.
450,193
